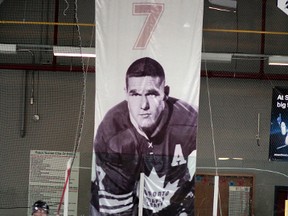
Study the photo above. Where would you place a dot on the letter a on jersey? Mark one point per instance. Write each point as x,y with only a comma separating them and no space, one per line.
178,158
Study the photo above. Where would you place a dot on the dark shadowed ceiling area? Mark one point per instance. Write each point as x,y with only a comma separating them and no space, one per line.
250,31
35,26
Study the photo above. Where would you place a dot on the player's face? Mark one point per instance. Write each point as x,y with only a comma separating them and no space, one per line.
145,96
40,212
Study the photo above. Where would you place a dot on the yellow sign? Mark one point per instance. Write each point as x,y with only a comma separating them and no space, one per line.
286,207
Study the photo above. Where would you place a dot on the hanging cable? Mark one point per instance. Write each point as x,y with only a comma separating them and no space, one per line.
25,89
67,7
216,194
36,116
82,106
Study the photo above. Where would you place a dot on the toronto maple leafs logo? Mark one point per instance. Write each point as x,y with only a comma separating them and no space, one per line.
156,196
283,5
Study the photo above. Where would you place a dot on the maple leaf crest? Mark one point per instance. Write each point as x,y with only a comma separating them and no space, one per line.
156,196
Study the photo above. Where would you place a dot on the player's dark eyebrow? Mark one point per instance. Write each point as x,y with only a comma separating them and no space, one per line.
149,92
133,91
152,91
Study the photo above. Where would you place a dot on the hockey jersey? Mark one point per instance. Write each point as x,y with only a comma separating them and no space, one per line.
122,153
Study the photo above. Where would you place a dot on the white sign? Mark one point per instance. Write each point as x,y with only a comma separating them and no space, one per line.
239,200
47,179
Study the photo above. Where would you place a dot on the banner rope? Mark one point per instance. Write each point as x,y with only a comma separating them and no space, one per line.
82,105
213,140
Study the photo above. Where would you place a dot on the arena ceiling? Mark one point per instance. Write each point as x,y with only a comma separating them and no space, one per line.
247,31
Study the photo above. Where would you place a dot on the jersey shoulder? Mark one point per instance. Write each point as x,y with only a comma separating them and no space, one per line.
115,120
181,112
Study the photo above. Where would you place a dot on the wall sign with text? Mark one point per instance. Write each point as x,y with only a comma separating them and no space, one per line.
279,125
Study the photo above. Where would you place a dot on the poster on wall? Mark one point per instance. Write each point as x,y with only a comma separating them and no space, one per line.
239,201
148,57
279,125
47,179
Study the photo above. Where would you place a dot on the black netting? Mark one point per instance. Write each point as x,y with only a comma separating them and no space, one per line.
43,103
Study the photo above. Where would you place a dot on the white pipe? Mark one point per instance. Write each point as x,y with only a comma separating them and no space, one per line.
216,193
141,194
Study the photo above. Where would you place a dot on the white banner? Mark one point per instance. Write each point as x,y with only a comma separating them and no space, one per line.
148,56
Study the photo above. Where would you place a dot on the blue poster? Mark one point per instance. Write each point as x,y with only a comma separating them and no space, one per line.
279,125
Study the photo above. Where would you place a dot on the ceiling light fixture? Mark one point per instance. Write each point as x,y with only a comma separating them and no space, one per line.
217,57
278,60
67,51
237,158
225,3
8,48
223,158
222,9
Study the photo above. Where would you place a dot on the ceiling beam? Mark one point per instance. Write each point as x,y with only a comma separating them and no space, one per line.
52,68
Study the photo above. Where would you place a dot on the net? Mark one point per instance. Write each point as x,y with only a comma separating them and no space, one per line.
43,104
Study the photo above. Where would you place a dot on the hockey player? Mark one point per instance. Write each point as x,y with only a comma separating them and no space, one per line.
283,129
40,208
149,133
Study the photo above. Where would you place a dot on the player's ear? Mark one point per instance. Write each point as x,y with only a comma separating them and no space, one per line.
166,91
125,93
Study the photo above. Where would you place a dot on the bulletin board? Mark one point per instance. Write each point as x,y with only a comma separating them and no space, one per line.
236,194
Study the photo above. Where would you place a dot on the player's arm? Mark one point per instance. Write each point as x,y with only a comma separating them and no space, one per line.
114,181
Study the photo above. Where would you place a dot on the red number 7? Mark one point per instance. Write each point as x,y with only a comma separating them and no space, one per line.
153,12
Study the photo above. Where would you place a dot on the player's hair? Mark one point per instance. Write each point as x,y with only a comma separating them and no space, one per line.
145,67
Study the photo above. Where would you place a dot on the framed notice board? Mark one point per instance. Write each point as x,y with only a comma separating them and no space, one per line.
235,192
